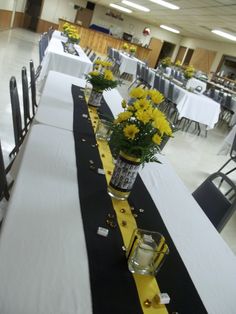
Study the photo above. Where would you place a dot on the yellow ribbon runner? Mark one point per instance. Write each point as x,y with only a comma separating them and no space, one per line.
146,285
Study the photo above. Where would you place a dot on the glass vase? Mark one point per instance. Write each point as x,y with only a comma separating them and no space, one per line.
95,98
123,177
146,252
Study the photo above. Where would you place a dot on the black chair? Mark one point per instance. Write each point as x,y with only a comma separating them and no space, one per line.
88,51
4,189
26,102
162,86
93,57
232,157
16,117
33,87
216,197
137,79
50,32
43,43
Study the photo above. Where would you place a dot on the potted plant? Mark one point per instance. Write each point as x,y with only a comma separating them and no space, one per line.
137,133
132,50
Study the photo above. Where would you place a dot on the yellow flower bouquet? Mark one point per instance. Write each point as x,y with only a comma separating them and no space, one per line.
140,128
166,62
125,46
178,63
101,78
73,37
132,49
136,136
189,72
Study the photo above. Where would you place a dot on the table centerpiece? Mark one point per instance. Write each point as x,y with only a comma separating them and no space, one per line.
125,47
132,50
101,78
136,136
188,74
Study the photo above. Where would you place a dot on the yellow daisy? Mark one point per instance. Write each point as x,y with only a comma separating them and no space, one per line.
138,92
124,103
156,139
123,116
130,131
156,96
108,75
143,116
143,104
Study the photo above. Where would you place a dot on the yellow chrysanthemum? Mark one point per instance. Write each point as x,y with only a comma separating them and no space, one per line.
106,64
131,108
124,103
143,116
123,116
156,139
138,92
163,126
108,75
130,131
98,61
156,96
94,73
142,103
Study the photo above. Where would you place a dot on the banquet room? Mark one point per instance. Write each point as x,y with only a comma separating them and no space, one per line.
117,151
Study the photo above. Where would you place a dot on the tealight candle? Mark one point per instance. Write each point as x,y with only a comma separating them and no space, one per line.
144,255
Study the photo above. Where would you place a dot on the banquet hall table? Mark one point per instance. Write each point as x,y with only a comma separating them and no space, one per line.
58,60
196,107
209,261
128,64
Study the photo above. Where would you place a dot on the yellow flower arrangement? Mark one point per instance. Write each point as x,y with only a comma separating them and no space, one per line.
132,49
155,96
166,62
101,77
125,46
138,93
178,63
73,37
140,128
189,72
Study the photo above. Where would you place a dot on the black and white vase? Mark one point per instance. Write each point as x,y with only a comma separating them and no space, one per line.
95,98
123,177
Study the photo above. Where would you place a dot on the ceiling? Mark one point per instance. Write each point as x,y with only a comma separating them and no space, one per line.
196,18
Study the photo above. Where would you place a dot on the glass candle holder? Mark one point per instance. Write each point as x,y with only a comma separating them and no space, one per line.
146,252
103,131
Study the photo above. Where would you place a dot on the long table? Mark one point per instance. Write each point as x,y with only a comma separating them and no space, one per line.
43,260
56,59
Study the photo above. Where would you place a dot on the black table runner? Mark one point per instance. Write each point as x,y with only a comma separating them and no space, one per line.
112,285
65,48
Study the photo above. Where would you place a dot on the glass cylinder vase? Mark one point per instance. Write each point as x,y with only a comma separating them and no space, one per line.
123,177
95,98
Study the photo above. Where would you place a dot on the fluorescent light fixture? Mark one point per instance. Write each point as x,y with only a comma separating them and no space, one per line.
118,7
135,5
166,4
223,34
170,29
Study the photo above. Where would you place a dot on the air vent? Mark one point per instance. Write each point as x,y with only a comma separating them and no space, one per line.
205,27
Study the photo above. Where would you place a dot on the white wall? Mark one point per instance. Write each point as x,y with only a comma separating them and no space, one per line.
9,5
222,48
54,9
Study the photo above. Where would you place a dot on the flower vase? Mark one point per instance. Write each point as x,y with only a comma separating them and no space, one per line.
123,177
132,54
95,98
70,47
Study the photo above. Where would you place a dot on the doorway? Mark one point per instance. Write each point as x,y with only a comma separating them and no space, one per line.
32,14
166,51
188,56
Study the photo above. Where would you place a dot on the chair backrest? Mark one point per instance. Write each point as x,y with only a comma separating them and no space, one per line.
3,179
138,72
157,80
162,86
43,43
88,51
93,56
212,93
228,101
16,115
216,197
33,87
170,95
26,102
110,53
50,32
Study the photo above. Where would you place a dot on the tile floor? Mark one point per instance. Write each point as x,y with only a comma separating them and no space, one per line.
193,157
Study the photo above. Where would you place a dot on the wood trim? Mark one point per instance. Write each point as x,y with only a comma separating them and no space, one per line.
5,18
43,26
19,19
99,42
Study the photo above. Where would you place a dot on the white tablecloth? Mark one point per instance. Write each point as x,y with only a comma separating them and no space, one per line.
128,64
57,94
43,266
193,83
58,35
43,257
58,60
